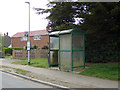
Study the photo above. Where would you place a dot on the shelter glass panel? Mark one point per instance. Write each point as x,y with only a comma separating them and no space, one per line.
65,59
54,43
77,42
65,42
78,58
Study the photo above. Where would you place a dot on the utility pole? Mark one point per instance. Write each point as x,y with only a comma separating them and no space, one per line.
28,42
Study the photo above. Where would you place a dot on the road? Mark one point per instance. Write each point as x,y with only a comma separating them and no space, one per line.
11,81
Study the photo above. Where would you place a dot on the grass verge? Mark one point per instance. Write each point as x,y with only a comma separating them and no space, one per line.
21,71
18,71
1,66
4,66
43,62
102,70
8,57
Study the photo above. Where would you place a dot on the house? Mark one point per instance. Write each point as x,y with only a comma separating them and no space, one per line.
7,40
39,38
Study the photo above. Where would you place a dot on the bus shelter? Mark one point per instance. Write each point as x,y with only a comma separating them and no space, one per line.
67,49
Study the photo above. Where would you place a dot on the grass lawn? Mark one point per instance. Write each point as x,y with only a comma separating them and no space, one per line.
8,57
102,70
43,62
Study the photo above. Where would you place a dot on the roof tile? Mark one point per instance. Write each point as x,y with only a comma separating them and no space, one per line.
32,33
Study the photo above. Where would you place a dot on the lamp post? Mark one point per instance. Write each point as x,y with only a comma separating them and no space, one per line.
28,42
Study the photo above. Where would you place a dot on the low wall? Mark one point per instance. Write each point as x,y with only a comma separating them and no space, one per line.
34,53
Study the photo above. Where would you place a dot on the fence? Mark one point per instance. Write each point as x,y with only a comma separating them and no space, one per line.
34,53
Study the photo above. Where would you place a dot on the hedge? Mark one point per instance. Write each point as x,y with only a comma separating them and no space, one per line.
102,52
8,51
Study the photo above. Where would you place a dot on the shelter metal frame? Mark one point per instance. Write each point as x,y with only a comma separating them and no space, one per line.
71,32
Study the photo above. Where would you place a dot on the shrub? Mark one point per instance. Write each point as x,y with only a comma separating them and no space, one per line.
45,47
32,47
102,52
35,47
8,51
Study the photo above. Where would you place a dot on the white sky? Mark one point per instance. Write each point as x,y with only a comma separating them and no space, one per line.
14,16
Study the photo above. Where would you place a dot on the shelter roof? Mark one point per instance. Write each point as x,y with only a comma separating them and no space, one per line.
65,31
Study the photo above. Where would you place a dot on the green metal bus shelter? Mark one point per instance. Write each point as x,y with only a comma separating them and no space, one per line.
67,49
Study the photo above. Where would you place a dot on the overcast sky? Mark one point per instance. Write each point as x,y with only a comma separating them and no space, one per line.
14,16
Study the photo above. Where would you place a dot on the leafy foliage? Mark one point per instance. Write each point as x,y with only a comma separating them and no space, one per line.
8,51
32,47
45,47
99,20
1,42
35,47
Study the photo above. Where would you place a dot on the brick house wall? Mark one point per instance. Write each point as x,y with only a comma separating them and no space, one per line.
16,41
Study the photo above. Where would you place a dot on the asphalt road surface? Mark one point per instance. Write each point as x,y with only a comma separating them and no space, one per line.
11,81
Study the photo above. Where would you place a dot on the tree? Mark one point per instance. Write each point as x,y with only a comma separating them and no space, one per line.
103,19
62,15
1,43
99,20
95,16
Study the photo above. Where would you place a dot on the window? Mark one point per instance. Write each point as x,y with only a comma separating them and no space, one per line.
24,39
37,37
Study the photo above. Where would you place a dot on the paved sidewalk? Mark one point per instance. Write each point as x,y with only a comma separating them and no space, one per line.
68,79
